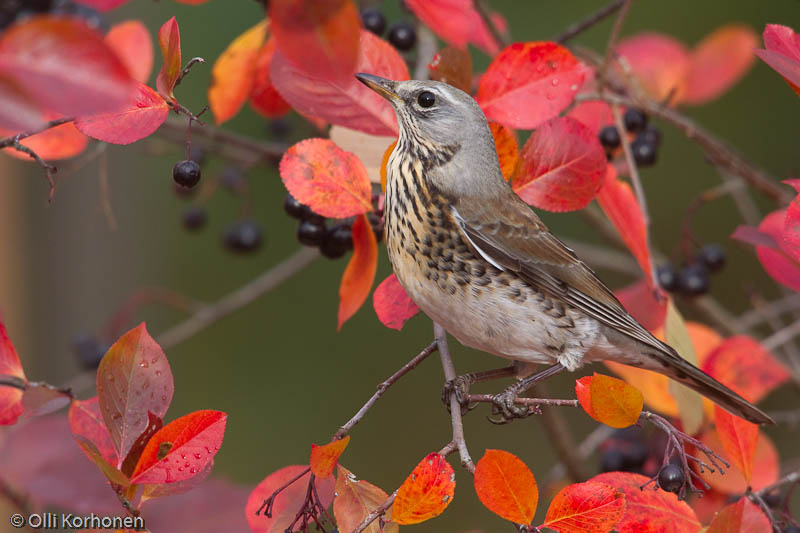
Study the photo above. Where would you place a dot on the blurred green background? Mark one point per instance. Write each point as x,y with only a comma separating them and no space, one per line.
278,367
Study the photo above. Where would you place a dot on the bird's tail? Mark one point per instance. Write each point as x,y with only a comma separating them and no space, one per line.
684,372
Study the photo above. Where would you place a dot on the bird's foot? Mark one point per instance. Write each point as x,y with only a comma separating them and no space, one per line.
505,409
460,387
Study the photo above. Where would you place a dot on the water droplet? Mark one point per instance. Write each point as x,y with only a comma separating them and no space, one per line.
192,470
144,363
554,82
145,385
158,372
154,360
164,397
180,469
208,450
183,456
187,464
198,455
574,87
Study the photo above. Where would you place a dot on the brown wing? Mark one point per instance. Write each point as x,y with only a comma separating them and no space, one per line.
508,233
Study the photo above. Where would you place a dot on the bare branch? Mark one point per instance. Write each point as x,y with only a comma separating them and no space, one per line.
192,62
455,408
615,31
376,513
426,49
586,23
501,40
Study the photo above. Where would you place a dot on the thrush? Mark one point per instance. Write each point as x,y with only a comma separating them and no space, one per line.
478,261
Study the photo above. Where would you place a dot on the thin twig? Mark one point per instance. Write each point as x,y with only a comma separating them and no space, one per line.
534,403
192,62
586,23
237,299
455,409
612,39
791,477
15,139
782,336
383,387
501,40
376,513
775,308
105,192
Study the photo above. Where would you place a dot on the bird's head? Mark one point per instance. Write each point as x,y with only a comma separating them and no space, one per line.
433,116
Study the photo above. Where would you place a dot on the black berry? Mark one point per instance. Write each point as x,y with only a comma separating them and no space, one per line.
644,153
314,218
693,280
294,208
651,135
279,128
338,240
609,137
402,36
374,21
635,120
232,179
791,529
88,350
671,478
310,233
612,461
186,173
243,236
667,277
712,256
194,217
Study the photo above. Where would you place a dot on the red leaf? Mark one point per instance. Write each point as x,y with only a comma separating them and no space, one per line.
102,5
169,39
319,37
609,400
132,42
589,506
264,97
39,399
138,119
791,224
190,443
766,467
133,379
744,365
62,142
782,53
507,149
738,437
754,236
64,66
332,182
355,499
719,61
659,62
346,102
528,83
360,272
288,502
324,458
741,517
620,206
639,301
455,21
426,492
150,492
648,509
234,73
10,397
18,111
584,395
113,474
562,166
86,420
506,486
392,304
595,115
778,263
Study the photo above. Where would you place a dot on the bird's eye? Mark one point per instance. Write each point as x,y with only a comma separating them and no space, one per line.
426,99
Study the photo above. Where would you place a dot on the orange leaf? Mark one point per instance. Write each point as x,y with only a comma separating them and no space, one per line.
385,162
169,39
360,272
589,506
614,402
234,73
507,149
265,98
132,43
659,62
426,492
453,66
324,458
584,396
739,438
62,142
766,468
355,499
10,397
744,365
620,206
330,181
649,510
741,517
718,62
506,486
392,304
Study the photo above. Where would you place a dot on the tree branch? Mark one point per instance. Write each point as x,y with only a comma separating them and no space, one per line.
586,23
376,513
455,408
501,40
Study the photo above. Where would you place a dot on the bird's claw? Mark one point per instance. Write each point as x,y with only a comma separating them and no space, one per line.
460,387
504,410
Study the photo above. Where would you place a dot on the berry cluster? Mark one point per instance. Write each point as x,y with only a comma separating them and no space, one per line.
693,278
18,10
625,451
402,34
646,140
333,241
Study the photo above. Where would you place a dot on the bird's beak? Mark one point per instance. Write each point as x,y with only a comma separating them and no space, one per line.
382,86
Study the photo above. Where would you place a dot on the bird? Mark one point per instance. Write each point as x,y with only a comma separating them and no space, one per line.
479,262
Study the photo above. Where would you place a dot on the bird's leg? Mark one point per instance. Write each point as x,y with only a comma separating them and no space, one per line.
461,384
504,409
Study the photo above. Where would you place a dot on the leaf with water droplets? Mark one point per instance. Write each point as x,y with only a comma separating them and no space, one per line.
195,440
86,420
133,379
